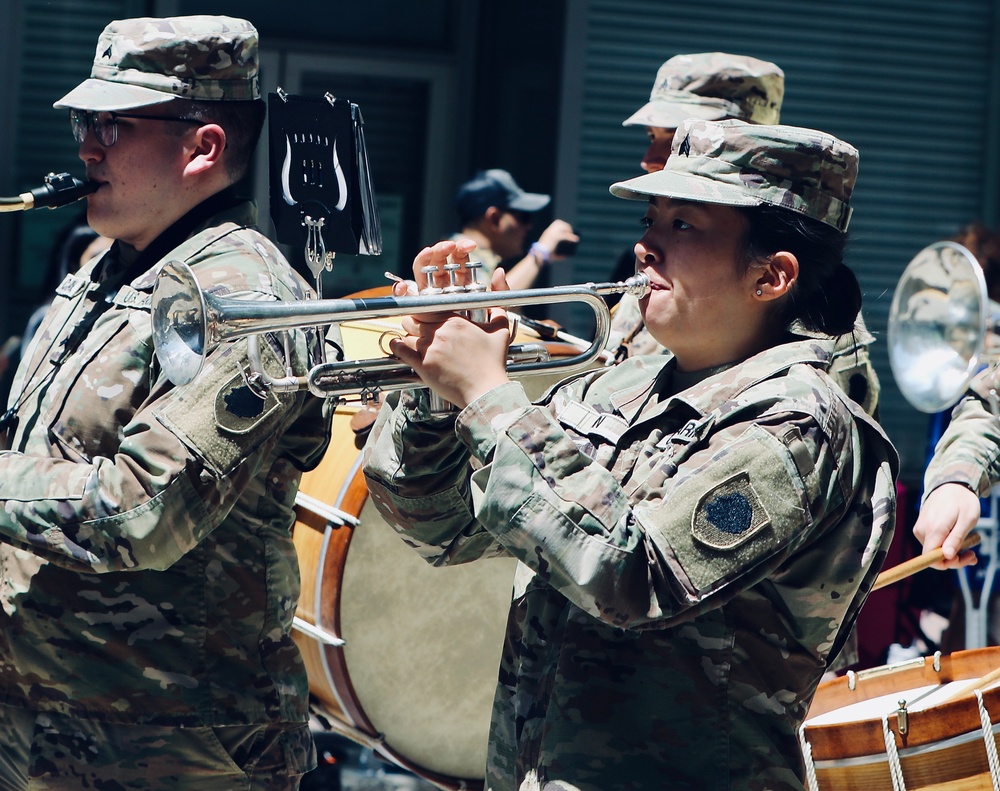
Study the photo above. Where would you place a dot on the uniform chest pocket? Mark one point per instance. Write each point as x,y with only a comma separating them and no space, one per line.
657,460
650,474
100,386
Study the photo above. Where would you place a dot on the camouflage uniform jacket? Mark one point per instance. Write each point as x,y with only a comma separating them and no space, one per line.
688,566
147,573
969,450
851,368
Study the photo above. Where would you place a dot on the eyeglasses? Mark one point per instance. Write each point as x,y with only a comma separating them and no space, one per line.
105,125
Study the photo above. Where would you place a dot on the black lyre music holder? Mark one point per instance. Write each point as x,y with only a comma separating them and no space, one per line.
321,194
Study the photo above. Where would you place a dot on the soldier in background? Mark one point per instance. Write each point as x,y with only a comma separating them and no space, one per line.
696,530
966,460
149,578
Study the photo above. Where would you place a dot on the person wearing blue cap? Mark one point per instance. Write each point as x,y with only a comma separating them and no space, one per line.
496,214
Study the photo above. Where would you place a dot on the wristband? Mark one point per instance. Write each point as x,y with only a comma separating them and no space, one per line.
540,252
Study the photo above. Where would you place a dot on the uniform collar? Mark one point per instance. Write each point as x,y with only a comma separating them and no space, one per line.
141,266
721,387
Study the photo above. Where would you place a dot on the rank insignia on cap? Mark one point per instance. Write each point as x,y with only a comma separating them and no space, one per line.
729,514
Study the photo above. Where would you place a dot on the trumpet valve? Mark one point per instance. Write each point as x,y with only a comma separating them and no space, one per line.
453,286
431,287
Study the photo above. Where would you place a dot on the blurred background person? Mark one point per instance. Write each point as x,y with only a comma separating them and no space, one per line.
497,214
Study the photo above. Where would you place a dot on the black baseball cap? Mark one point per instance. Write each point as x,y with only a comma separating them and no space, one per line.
496,187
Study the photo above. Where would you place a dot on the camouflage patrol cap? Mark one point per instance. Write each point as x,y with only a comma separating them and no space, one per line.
148,60
712,86
739,164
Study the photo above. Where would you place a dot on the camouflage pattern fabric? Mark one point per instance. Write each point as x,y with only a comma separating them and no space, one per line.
851,367
740,164
712,86
969,450
147,574
690,565
149,60
65,753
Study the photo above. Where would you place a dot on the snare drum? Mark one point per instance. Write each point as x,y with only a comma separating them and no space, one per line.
896,727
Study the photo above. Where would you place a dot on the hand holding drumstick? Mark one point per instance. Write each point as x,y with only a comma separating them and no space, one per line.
919,563
925,561
948,514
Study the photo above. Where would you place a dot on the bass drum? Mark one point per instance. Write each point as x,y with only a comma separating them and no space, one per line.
415,675
912,725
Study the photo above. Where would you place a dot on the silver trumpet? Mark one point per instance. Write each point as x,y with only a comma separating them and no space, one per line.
188,323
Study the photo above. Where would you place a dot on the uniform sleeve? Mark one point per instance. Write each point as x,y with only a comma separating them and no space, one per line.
121,470
184,459
417,474
968,451
676,536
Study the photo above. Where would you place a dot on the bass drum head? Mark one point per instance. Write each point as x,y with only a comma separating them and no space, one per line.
423,647
416,675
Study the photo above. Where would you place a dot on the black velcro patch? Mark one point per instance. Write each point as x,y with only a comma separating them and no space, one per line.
729,514
238,409
244,403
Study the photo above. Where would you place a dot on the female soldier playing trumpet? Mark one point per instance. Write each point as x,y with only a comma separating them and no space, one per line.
697,531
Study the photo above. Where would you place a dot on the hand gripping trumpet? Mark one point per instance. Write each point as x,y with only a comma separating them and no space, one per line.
188,323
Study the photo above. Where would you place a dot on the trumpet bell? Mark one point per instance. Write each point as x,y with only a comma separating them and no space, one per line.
180,323
938,325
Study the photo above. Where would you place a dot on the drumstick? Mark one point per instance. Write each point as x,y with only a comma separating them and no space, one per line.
983,681
919,563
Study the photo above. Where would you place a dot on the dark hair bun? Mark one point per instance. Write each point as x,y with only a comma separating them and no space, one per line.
834,309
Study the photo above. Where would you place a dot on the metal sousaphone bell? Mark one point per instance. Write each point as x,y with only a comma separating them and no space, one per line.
943,327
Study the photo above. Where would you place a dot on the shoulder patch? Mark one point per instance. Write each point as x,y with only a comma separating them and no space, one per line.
729,514
238,409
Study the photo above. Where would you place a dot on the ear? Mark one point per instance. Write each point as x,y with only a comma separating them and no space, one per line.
205,150
775,276
492,216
